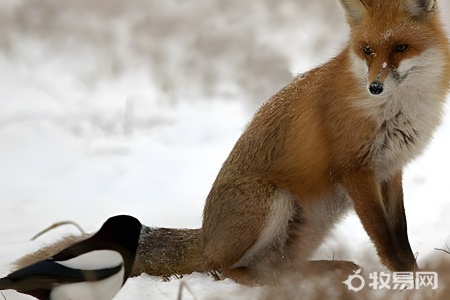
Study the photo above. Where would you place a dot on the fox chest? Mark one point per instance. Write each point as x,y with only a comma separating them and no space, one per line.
396,142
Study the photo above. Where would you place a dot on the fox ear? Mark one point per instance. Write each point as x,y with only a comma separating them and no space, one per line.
421,8
354,9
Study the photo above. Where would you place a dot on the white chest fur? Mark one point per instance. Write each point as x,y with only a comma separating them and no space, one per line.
399,140
407,120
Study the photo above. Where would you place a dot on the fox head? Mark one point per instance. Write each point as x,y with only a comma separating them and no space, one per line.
396,44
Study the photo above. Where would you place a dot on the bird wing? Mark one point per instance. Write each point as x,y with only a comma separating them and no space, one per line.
46,274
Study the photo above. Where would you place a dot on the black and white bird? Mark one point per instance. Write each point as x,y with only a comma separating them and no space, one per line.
95,268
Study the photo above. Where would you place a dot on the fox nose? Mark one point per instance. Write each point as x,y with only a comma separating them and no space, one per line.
376,87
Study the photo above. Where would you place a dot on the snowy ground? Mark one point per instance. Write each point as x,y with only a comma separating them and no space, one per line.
131,108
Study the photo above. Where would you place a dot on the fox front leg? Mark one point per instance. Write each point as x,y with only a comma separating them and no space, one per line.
392,196
380,209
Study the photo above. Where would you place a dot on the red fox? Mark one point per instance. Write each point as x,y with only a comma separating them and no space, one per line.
335,138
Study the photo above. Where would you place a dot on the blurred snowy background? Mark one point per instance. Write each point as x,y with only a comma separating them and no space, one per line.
131,106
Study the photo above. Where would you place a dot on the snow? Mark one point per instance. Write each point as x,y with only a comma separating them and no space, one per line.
131,109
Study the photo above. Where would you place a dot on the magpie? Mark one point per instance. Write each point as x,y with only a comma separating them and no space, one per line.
95,268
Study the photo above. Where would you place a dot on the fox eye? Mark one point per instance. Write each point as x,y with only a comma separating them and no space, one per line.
400,48
367,50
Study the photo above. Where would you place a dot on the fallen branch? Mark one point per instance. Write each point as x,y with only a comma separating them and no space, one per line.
184,285
58,224
446,251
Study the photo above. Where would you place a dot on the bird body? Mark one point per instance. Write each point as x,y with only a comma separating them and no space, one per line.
95,268
105,263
